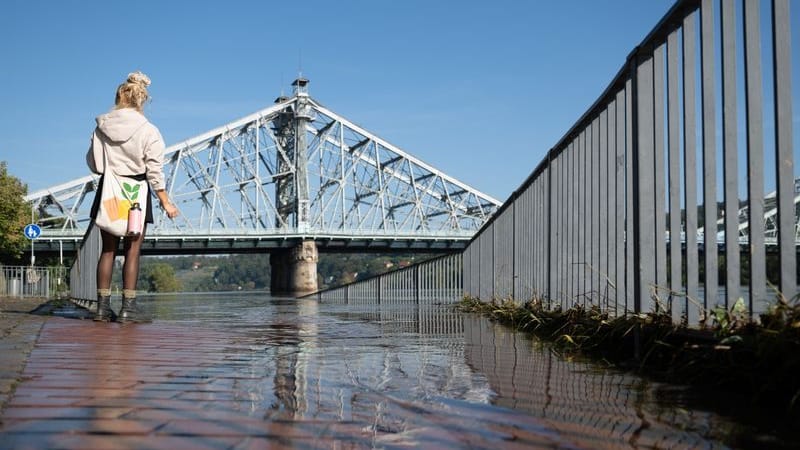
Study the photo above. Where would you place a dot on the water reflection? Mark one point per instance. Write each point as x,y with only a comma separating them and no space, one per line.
427,375
593,406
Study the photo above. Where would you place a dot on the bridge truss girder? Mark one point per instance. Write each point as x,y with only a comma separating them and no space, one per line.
243,178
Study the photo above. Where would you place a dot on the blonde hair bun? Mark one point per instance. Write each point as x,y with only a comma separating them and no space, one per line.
133,92
139,78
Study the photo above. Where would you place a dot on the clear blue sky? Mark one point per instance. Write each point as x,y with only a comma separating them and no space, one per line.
478,89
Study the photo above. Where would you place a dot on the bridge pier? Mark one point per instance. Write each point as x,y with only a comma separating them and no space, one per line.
294,270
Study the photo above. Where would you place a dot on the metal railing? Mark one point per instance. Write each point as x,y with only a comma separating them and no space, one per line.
434,281
591,224
84,270
33,281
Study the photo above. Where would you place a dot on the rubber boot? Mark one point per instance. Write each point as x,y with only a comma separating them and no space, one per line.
104,312
131,312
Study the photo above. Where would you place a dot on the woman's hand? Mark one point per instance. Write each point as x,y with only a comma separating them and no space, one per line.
170,209
166,205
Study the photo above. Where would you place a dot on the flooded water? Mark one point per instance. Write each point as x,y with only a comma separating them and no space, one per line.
430,377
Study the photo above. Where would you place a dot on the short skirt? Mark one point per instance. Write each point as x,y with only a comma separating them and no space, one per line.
148,214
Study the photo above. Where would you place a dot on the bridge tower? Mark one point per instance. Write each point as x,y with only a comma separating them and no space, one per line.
294,270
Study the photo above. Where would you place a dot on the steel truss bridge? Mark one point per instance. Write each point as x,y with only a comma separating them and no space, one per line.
770,222
291,172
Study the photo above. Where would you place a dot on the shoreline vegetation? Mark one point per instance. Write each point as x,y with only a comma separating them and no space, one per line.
731,353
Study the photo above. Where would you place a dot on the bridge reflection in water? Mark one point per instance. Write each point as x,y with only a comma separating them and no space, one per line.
427,374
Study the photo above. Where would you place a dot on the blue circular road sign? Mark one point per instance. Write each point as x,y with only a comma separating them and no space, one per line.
32,231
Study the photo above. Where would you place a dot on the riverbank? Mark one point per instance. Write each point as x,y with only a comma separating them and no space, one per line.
732,354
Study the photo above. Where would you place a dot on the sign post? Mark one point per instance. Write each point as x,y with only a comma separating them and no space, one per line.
32,231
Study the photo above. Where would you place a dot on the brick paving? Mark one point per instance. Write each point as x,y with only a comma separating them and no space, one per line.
78,384
18,333
282,376
98,385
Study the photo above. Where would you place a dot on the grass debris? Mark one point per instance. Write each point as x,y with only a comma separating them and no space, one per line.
731,351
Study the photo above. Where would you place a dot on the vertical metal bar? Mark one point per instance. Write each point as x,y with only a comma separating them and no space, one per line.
660,178
560,225
537,202
531,227
755,152
690,159
782,73
673,136
571,221
467,275
480,264
494,261
602,226
583,215
552,238
556,235
539,276
644,189
630,214
514,243
525,256
551,192
620,176
593,199
613,210
709,154
730,151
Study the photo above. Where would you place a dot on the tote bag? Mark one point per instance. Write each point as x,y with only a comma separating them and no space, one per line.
118,194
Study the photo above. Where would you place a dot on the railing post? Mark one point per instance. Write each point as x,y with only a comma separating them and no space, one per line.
550,228
638,288
416,283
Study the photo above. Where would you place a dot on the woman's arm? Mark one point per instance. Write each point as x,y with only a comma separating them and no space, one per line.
170,209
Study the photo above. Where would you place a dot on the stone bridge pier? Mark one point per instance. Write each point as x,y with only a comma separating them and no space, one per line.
294,270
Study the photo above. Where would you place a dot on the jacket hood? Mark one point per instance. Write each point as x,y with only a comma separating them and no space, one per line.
120,124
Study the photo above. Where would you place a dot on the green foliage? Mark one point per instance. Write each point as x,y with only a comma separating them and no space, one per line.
160,277
253,271
242,272
14,213
338,269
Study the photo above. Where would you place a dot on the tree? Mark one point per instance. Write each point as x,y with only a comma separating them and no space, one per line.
243,272
160,277
13,216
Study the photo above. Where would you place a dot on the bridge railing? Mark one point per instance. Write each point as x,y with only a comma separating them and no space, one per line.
650,159
435,281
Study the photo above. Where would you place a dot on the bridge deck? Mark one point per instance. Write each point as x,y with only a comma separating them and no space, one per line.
224,244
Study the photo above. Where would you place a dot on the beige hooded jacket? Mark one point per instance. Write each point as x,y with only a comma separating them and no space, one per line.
134,146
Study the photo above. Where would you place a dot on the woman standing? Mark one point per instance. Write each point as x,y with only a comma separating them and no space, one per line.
133,147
